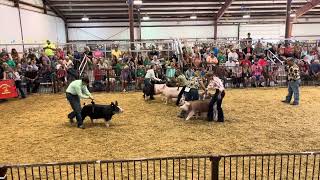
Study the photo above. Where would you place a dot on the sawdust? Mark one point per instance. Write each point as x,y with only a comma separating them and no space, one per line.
36,129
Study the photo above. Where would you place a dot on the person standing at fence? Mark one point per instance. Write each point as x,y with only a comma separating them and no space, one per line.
76,90
293,82
49,49
116,53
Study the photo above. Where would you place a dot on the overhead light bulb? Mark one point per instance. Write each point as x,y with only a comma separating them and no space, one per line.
137,2
193,17
85,18
246,16
146,18
293,15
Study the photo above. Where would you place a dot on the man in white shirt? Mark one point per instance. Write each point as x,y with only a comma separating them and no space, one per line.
233,55
149,88
231,65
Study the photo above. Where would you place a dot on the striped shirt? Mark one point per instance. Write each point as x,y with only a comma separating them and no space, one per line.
216,83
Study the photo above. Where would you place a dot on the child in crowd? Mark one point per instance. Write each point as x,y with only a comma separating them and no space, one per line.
61,76
140,73
17,78
110,78
256,74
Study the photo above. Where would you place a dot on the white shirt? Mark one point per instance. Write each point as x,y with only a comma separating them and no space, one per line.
17,76
216,83
69,64
150,75
233,56
156,62
231,65
32,68
58,66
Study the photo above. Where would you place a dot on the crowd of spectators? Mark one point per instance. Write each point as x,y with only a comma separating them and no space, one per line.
241,65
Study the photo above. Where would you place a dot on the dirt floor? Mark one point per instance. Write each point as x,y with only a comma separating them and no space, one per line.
36,129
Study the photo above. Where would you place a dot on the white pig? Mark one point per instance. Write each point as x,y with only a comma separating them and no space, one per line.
170,93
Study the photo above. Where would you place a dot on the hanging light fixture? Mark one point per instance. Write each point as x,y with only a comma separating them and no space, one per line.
193,16
85,18
137,2
246,16
146,18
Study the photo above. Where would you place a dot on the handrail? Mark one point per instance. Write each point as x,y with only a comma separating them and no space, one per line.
273,56
83,64
160,158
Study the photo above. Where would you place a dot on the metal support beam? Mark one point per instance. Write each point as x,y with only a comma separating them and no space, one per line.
139,21
44,7
223,9
238,35
288,20
55,10
215,30
67,32
304,9
131,23
16,4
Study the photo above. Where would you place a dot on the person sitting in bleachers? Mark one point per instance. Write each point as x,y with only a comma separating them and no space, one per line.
125,73
31,76
315,70
116,52
140,73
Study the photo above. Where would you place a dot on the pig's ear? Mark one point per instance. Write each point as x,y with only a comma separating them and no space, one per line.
116,103
112,104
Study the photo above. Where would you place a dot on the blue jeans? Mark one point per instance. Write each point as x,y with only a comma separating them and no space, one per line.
74,101
192,95
293,89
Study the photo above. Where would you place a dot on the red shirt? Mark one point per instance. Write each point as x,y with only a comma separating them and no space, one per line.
288,51
245,62
262,62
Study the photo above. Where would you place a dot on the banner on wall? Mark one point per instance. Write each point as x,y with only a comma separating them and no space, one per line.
8,89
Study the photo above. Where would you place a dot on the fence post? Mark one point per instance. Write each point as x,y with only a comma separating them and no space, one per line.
215,167
3,172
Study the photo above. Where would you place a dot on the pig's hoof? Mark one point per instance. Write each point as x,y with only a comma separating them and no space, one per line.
107,125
